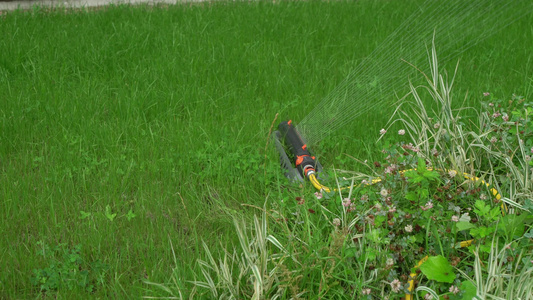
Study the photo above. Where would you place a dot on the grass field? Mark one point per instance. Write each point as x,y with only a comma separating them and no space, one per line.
127,129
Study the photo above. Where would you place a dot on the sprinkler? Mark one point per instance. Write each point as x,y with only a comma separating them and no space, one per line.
300,164
294,154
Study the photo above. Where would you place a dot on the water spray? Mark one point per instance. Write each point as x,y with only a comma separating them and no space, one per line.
457,24
299,164
454,25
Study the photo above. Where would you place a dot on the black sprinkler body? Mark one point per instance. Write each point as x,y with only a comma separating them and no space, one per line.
298,162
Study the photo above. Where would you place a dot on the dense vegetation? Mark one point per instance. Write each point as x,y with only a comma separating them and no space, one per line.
132,135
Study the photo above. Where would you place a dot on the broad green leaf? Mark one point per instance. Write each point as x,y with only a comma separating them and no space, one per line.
513,225
411,174
350,252
465,218
438,268
495,213
371,254
481,208
481,231
417,179
464,225
423,193
421,165
431,174
469,290
411,196
485,248
379,220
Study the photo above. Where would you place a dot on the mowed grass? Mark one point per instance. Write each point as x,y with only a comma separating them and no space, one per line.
161,116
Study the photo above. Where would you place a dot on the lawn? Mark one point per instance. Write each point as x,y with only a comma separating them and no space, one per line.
130,135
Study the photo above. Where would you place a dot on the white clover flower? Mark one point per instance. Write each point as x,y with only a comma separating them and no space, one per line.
485,94
429,205
366,291
436,126
455,218
384,192
409,228
493,140
390,261
337,222
454,290
382,131
396,285
428,296
346,202
401,132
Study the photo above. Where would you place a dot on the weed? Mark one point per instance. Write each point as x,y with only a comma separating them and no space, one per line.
68,270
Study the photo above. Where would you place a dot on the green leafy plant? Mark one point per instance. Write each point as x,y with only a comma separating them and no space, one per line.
109,214
130,215
438,268
68,270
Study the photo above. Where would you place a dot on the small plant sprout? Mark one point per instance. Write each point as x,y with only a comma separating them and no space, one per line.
109,214
84,215
130,215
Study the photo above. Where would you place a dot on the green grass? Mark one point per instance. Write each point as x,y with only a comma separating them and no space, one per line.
165,112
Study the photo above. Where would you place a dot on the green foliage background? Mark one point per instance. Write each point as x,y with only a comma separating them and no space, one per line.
161,115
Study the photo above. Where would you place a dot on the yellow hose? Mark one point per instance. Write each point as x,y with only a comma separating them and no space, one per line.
314,181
